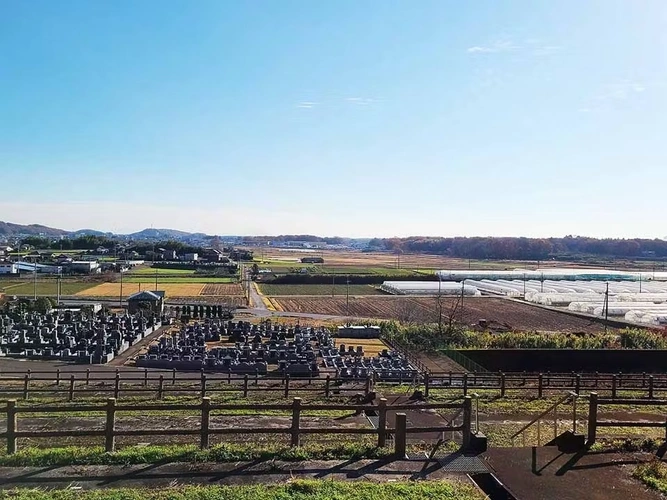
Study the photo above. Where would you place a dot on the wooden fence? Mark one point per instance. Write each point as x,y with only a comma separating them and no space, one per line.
12,410
73,384
594,402
147,382
539,384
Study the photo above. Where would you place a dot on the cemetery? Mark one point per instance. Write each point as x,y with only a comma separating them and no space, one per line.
71,335
244,348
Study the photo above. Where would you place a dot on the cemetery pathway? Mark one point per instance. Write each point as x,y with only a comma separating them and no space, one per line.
132,351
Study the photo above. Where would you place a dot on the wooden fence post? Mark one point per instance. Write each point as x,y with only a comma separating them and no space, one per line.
87,376
203,386
367,386
400,436
12,424
592,418
110,427
173,376
382,423
26,386
650,386
286,385
256,376
426,385
58,376
116,388
326,386
614,383
465,384
160,387
577,383
296,419
245,386
540,383
205,422
145,377
70,396
502,385
467,423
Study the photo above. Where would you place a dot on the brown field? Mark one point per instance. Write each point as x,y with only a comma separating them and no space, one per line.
222,289
171,289
499,313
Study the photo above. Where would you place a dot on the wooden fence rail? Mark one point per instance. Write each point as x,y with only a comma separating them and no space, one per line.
295,430
74,384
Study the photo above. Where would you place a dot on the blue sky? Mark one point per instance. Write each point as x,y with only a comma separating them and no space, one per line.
356,118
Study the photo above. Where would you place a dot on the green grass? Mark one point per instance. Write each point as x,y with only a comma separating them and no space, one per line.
151,271
295,490
339,289
226,452
48,288
183,281
653,475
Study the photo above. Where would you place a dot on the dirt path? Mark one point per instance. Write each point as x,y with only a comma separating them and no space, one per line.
545,473
258,472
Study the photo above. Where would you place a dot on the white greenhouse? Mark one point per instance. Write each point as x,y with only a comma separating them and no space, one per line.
428,288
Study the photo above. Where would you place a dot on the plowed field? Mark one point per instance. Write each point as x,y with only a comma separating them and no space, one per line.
171,289
222,289
498,312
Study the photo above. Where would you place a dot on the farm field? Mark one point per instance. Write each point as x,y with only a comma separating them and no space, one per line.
113,289
222,289
45,287
151,271
177,280
273,290
508,314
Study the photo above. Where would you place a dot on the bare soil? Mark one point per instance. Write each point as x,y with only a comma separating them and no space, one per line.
501,313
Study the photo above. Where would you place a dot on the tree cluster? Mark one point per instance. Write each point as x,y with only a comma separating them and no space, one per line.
523,248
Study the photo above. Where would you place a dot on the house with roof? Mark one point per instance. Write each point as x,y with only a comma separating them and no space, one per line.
146,301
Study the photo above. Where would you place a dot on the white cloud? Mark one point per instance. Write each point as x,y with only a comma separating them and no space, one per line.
495,47
532,45
306,104
361,101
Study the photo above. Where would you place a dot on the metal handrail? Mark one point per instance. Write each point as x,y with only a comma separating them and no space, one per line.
545,412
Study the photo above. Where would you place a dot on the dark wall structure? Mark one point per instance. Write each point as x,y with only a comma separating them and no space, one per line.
567,360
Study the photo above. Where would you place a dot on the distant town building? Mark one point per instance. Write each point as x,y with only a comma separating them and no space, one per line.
191,257
312,260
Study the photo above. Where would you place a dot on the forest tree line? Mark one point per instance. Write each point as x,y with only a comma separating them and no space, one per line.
524,248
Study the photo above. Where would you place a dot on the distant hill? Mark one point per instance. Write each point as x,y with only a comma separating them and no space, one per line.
158,234
7,229
88,232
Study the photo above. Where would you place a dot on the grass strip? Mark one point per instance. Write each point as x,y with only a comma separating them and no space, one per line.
653,474
295,490
226,452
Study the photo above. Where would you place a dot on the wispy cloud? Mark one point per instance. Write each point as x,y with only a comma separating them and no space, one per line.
618,92
531,46
493,48
361,101
306,104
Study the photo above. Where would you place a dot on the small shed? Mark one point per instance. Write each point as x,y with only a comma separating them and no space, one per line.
152,301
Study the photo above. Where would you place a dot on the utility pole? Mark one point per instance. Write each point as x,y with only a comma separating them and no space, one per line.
463,286
439,304
156,279
58,285
348,296
120,298
333,283
606,307
34,279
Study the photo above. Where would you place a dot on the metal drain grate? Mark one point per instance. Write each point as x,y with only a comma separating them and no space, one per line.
460,463
375,421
